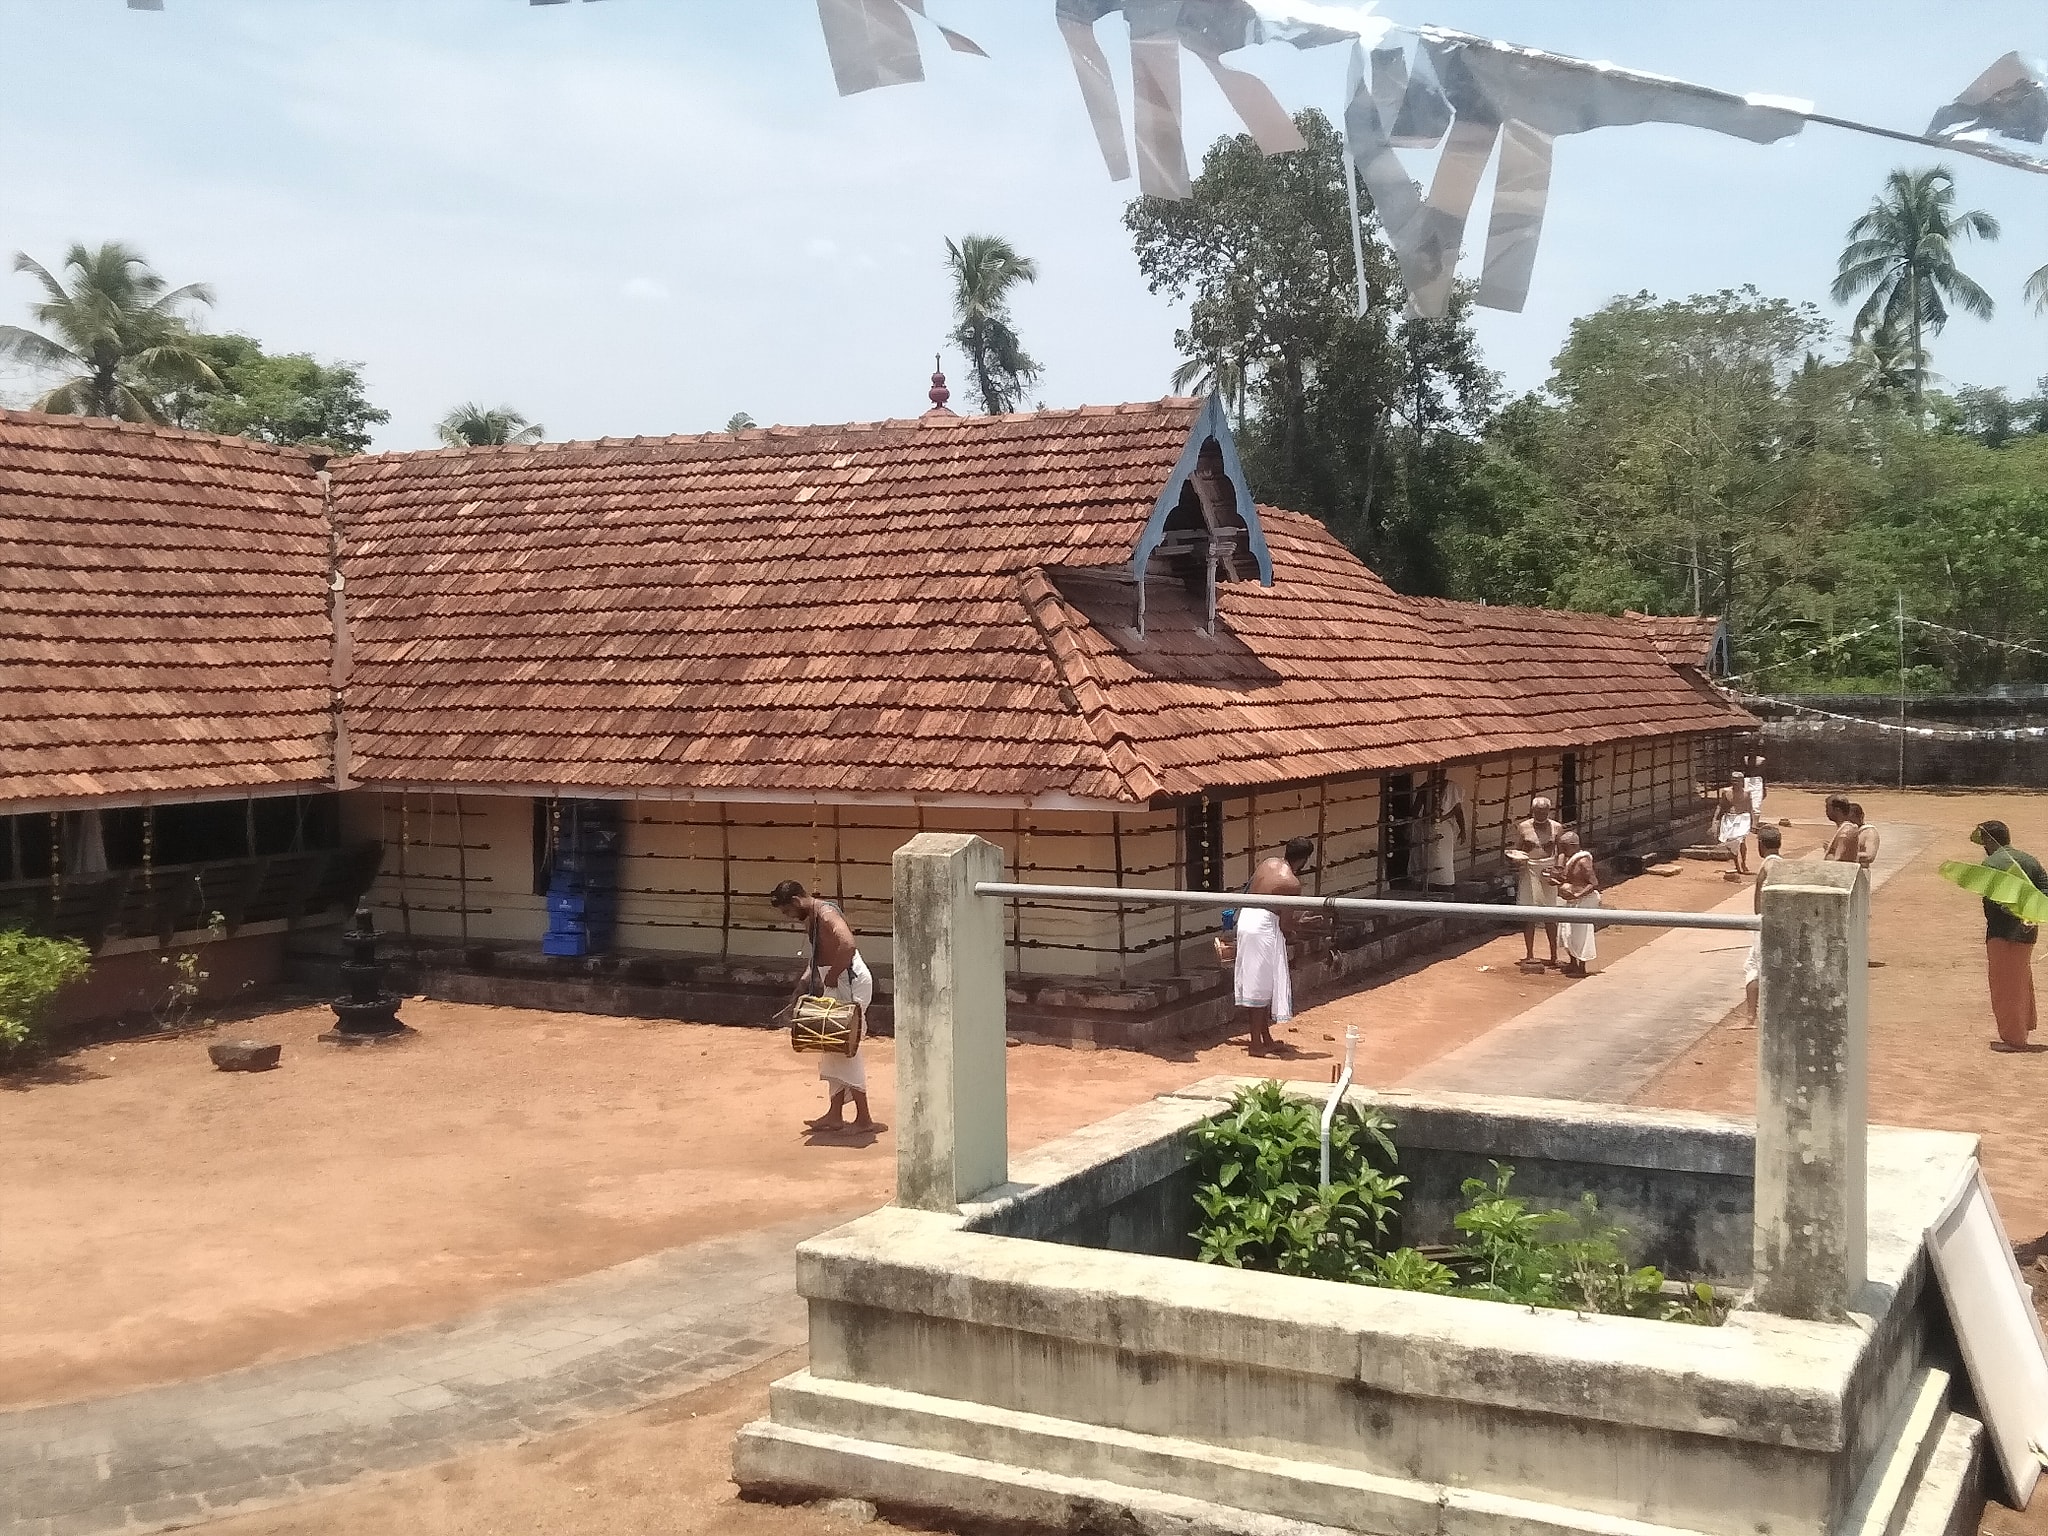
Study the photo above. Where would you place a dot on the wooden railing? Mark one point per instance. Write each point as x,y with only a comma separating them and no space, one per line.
184,898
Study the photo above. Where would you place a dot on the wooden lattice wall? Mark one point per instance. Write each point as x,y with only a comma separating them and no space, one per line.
694,876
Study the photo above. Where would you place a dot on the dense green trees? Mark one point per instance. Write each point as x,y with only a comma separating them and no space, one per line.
120,343
288,398
114,332
1369,422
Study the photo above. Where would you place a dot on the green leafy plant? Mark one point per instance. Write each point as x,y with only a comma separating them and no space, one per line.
32,972
1263,1207
1261,1198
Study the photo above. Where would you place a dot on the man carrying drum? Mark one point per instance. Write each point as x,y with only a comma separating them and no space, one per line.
835,970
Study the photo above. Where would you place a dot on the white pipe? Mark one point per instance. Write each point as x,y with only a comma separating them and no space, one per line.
1337,1097
1466,911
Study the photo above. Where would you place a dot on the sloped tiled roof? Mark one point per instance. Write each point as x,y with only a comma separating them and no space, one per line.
163,613
1330,672
807,610
1683,640
902,608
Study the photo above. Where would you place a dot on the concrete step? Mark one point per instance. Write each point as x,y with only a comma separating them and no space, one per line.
1949,1500
967,1460
1901,1457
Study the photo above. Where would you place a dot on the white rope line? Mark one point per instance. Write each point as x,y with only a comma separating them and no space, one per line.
1937,733
1839,640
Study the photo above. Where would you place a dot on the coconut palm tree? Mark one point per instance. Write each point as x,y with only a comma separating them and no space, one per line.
1214,374
1885,367
739,421
115,330
985,268
472,426
1902,252
2036,291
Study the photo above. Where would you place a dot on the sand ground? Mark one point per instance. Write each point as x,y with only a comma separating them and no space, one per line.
234,1219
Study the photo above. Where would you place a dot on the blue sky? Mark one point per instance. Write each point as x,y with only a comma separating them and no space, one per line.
642,216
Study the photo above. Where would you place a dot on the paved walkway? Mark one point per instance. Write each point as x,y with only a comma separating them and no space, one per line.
1605,1038
568,1353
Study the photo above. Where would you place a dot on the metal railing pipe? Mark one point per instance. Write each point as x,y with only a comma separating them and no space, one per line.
1466,911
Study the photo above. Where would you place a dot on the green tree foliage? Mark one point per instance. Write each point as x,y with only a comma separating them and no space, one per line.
2036,291
1700,455
739,421
289,399
1369,423
474,426
113,330
1901,252
33,971
985,269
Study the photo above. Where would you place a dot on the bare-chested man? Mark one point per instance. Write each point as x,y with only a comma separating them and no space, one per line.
1852,842
836,970
1263,989
1732,817
1536,872
1768,841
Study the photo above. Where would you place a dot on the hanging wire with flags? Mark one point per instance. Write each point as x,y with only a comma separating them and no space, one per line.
1470,99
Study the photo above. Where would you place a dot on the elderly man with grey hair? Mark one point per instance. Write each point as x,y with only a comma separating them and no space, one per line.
1534,856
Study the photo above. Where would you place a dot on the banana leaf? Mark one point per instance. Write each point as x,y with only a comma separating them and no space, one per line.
2007,888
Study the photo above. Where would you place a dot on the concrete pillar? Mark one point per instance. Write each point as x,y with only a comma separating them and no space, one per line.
1812,1099
952,1093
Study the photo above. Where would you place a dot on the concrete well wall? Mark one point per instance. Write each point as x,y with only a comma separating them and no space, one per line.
963,1364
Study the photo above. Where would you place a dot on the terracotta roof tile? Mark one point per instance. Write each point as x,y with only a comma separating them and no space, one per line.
896,606
163,612
1683,640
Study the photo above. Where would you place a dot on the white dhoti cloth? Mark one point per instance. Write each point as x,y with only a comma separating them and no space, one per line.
856,985
1734,827
1261,971
1531,889
1443,837
1756,795
1753,962
1577,938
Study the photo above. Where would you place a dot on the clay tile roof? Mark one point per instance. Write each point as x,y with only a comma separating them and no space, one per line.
163,613
1683,640
1330,672
803,610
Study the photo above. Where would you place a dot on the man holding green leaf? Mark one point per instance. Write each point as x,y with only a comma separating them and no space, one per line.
2013,906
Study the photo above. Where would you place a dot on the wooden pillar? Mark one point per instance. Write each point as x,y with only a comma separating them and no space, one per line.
725,883
1322,831
461,871
1116,837
1016,907
404,888
1251,836
838,863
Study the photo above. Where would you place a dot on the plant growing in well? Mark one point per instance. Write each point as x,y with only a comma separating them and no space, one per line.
1261,1198
1262,1208
32,972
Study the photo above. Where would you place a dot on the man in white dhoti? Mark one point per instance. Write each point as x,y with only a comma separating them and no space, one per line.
1446,834
1768,841
1535,858
1578,885
1732,820
1261,983
1753,781
836,970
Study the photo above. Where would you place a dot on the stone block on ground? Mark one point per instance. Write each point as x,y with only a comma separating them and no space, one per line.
244,1055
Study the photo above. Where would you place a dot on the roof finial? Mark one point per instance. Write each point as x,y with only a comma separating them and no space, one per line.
939,394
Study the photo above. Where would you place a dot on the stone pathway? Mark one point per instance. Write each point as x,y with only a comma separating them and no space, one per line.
1604,1039
568,1353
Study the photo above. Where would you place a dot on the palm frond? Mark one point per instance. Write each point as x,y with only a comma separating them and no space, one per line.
2036,291
36,351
